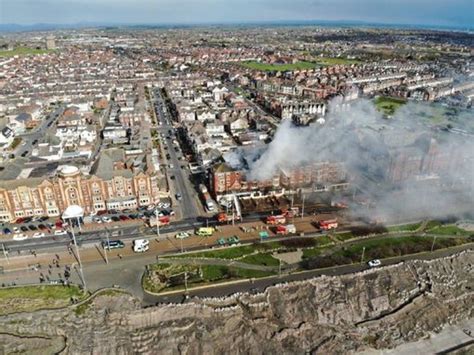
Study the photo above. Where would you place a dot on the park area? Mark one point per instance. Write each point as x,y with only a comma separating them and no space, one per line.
32,298
301,65
21,51
278,67
268,257
388,105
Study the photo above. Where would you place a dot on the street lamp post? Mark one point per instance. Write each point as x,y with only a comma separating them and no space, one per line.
302,208
107,245
157,224
75,212
362,257
5,253
432,245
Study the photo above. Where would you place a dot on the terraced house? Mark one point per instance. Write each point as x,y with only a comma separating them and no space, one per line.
114,182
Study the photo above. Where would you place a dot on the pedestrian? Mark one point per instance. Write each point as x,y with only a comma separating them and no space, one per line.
57,257
120,256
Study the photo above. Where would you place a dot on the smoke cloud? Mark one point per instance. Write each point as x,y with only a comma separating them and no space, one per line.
370,145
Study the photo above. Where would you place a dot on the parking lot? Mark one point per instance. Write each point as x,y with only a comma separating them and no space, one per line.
42,226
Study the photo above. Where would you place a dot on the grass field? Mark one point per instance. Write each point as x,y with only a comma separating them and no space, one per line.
24,51
278,67
172,276
379,248
404,227
32,298
388,105
225,253
450,229
344,236
335,61
265,259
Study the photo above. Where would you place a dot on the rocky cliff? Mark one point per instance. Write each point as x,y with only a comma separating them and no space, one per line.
378,308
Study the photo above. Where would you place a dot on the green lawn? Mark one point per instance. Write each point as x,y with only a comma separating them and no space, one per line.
404,227
388,105
311,253
379,248
322,240
265,259
342,237
335,61
23,51
225,253
278,67
32,298
172,276
394,246
449,230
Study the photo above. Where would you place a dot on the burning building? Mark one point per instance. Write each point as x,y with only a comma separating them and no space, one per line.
326,175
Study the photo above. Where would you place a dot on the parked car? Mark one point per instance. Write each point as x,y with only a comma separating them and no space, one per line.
182,235
113,244
32,227
115,218
374,263
24,229
106,219
96,220
123,217
60,232
20,236
42,227
7,231
39,235
178,196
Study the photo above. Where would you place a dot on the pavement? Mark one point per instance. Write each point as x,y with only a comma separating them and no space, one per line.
451,338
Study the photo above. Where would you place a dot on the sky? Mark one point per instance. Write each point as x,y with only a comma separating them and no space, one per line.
457,13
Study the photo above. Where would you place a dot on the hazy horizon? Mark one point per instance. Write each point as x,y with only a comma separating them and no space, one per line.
455,13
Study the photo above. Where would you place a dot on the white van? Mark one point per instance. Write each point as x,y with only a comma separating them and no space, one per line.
141,245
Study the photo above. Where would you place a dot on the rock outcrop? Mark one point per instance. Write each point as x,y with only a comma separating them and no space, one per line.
378,308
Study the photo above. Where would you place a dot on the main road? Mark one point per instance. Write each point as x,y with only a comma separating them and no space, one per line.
39,132
181,181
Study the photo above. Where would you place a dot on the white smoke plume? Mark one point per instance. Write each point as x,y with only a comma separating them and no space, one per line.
365,141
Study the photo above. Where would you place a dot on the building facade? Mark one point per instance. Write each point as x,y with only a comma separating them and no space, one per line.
50,197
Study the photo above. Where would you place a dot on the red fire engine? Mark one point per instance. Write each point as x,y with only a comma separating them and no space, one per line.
279,219
328,224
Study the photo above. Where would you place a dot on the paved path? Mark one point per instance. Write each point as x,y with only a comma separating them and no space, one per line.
450,338
210,261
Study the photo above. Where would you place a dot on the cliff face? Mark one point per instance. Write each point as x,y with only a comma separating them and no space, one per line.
378,308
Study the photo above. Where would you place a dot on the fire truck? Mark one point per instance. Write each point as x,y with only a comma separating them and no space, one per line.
224,218
284,230
164,221
290,212
273,220
327,224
